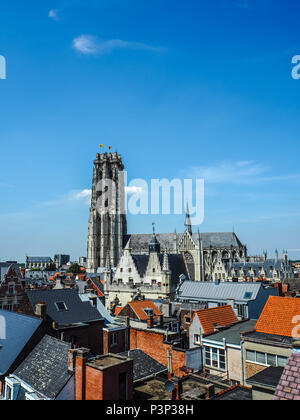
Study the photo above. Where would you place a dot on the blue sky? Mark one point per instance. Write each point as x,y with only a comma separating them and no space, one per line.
180,89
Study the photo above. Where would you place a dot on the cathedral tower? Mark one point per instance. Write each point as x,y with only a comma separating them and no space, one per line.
107,223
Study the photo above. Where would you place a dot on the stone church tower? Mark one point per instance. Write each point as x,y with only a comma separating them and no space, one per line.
107,223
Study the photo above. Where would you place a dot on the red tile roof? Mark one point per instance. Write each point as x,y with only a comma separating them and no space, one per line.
138,307
118,310
222,316
279,316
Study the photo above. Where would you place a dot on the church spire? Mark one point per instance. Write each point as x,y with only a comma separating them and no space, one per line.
188,223
154,245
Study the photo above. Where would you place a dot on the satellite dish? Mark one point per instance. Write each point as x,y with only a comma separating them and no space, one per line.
169,386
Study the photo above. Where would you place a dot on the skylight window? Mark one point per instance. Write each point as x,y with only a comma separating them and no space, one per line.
248,295
61,306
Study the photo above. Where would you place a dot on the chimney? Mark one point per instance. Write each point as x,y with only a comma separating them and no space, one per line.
161,320
150,321
177,392
93,300
210,391
72,360
80,373
41,310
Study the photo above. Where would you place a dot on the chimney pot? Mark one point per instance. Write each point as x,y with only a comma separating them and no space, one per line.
150,321
93,300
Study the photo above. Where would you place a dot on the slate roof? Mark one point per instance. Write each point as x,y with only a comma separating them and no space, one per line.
15,332
140,242
277,316
39,259
77,311
141,263
46,368
269,377
289,385
144,366
195,290
85,297
176,265
210,318
256,266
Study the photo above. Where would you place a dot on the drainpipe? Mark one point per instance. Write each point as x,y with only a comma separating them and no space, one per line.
226,357
242,352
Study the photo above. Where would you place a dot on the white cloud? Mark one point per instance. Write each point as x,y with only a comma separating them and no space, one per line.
133,190
91,45
53,14
84,195
230,172
240,172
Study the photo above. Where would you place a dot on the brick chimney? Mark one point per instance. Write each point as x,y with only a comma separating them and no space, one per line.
80,373
72,360
41,310
150,321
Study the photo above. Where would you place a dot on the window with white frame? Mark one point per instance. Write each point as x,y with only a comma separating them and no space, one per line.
265,359
214,357
242,311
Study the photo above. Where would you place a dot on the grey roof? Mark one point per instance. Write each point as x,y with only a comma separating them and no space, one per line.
140,242
77,311
46,368
15,332
232,335
275,340
4,267
176,265
195,290
141,263
268,266
237,393
108,319
269,377
144,366
39,259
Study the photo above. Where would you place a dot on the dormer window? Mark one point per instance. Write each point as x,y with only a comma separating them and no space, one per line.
61,306
148,311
